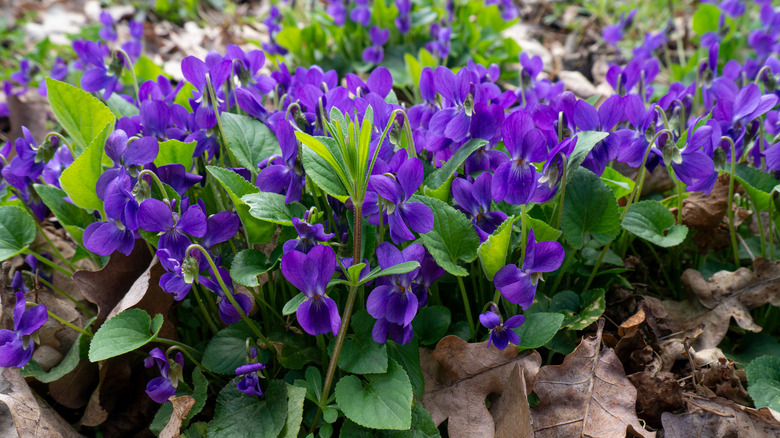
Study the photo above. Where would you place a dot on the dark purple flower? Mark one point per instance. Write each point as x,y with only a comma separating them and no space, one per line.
403,21
196,72
361,13
16,347
518,285
310,273
177,177
227,311
501,334
474,200
309,236
157,216
281,174
220,227
374,53
103,238
454,119
337,11
380,81
250,384
134,47
26,163
97,75
160,389
614,32
136,152
515,180
401,214
393,300
772,157
107,32
24,75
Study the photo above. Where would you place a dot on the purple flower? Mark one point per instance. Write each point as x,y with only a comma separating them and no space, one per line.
220,227
250,384
515,180
173,281
136,152
614,33
103,238
337,11
196,72
361,13
160,389
393,301
401,214
374,53
474,200
310,273
309,235
227,311
404,21
281,174
157,216
16,347
176,176
107,32
97,75
454,120
501,334
518,285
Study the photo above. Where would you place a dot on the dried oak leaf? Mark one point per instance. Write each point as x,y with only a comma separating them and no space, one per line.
704,318
656,394
587,395
718,417
459,376
32,417
181,407
106,287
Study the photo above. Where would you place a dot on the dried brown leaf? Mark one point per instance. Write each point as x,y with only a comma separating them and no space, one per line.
459,376
718,417
511,411
631,325
704,318
181,407
587,395
32,417
656,394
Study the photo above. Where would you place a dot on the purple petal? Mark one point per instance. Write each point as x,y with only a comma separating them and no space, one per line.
387,187
401,308
194,70
490,320
141,151
418,215
376,304
380,81
193,222
155,215
515,286
410,176
515,321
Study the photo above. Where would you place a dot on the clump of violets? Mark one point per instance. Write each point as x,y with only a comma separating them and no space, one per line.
16,346
501,333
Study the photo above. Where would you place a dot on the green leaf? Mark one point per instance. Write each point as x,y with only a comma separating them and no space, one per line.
453,236
763,376
590,307
82,115
401,268
290,39
756,183
543,232
236,186
17,231
146,70
175,152
431,324
292,424
121,107
705,19
291,306
200,394
589,208
538,329
270,207
620,184
586,140
492,252
442,193
125,332
653,222
360,354
226,351
238,415
408,356
80,178
422,426
442,174
321,173
73,218
413,68
384,402
247,265
249,140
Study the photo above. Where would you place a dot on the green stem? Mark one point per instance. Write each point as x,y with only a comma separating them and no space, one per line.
49,263
182,347
596,266
67,324
59,291
205,312
228,294
157,181
132,73
342,335
730,212
464,295
557,222
559,277
54,248
760,227
63,140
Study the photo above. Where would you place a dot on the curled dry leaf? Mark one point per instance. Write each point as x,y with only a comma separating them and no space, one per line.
181,407
704,318
31,416
718,417
706,214
459,376
631,325
587,395
656,394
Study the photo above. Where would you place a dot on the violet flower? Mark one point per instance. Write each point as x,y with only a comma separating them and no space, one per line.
614,32
501,334
160,389
156,216
16,347
518,285
103,238
393,301
454,120
515,180
310,273
107,32
196,72
403,215
97,75
403,21
281,174
337,12
173,281
374,54
250,384
474,200
227,311
361,13
309,236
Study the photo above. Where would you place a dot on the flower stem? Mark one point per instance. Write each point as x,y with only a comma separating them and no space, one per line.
59,291
49,263
157,181
342,335
730,211
206,315
467,306
67,324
